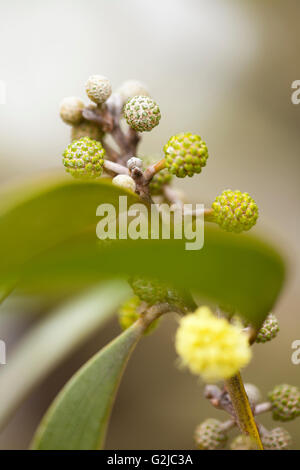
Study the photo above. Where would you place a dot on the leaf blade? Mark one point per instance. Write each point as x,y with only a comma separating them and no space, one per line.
53,339
73,423
231,269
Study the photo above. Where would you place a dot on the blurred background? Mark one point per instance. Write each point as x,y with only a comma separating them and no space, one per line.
222,69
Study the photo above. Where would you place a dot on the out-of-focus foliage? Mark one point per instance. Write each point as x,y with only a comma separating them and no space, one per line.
48,242
77,419
47,344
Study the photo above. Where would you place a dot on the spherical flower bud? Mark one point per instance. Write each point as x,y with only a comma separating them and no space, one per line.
269,329
253,393
209,435
210,346
71,110
132,88
277,439
149,291
87,129
235,211
286,402
142,113
129,314
153,292
98,89
243,442
84,158
134,162
158,181
185,154
124,181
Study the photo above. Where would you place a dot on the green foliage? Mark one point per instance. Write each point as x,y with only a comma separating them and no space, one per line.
48,241
53,339
77,419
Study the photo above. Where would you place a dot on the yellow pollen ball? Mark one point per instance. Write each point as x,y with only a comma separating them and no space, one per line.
210,346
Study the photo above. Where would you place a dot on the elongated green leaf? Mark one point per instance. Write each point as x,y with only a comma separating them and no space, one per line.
54,338
238,271
77,419
40,240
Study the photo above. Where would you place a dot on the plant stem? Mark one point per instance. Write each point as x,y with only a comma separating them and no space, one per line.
242,408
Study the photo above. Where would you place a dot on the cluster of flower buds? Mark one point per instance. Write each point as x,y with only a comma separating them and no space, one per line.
215,349
184,154
284,403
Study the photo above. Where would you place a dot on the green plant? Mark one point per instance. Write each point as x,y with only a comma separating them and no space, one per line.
59,251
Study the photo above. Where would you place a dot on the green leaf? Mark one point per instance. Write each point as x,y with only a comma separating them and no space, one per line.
53,339
54,230
239,271
78,417
37,215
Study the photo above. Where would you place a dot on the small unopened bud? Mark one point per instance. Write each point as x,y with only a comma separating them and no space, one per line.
71,110
269,329
132,88
124,181
134,162
277,439
209,435
98,88
286,402
243,442
253,393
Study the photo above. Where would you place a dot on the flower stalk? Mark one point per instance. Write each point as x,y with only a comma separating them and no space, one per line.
242,409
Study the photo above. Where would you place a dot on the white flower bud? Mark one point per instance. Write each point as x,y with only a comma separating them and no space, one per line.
134,162
124,181
98,88
71,110
132,88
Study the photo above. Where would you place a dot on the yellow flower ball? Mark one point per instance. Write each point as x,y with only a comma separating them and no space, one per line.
210,346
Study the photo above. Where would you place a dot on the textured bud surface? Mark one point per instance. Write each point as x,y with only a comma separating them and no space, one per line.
134,162
84,158
152,292
98,88
243,442
253,393
269,329
286,402
149,291
129,314
210,346
132,88
185,154
277,439
209,435
142,113
71,110
158,181
235,211
87,129
124,181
